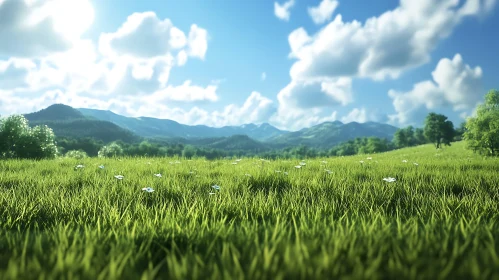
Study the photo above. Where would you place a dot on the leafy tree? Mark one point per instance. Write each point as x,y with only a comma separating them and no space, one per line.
419,137
400,138
189,151
18,140
91,146
376,145
482,131
405,137
111,150
438,130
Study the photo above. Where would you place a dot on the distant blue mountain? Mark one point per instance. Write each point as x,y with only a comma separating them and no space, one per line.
152,127
108,126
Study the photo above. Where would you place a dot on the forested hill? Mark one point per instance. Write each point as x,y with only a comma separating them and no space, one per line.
103,125
153,127
69,122
328,134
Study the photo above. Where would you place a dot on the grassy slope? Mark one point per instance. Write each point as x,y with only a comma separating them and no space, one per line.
438,220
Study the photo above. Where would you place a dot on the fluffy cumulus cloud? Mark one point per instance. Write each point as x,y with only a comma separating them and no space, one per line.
186,93
323,12
455,85
282,11
126,71
316,94
144,35
362,115
256,109
38,28
14,73
382,47
198,42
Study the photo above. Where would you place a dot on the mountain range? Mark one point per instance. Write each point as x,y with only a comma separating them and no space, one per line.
151,127
108,126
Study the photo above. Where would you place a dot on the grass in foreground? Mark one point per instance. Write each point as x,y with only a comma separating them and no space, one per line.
438,220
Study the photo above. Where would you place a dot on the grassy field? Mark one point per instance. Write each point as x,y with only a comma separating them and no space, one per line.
438,220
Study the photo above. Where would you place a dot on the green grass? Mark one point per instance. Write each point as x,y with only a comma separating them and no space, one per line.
439,220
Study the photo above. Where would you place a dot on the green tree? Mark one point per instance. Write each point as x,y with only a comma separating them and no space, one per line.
78,154
111,150
404,137
482,132
18,140
400,138
188,151
375,145
419,137
438,130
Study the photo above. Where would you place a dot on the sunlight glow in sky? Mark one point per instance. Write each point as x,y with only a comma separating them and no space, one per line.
292,63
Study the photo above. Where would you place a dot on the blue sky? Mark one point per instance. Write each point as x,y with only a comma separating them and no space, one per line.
391,62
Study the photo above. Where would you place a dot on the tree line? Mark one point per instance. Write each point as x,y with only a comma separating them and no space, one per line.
481,133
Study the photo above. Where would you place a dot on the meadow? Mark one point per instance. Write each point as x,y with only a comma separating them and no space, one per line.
439,219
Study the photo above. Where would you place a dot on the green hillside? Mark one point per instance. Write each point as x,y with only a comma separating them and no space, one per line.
329,134
66,121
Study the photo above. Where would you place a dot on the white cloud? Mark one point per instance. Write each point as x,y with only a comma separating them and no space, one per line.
186,93
362,115
282,11
383,46
316,94
263,76
323,12
131,76
198,42
454,85
21,103
297,119
356,115
25,75
14,73
143,35
299,99
127,71
181,58
256,108
480,7
38,28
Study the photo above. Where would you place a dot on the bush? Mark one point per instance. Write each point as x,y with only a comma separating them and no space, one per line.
78,154
18,140
111,150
